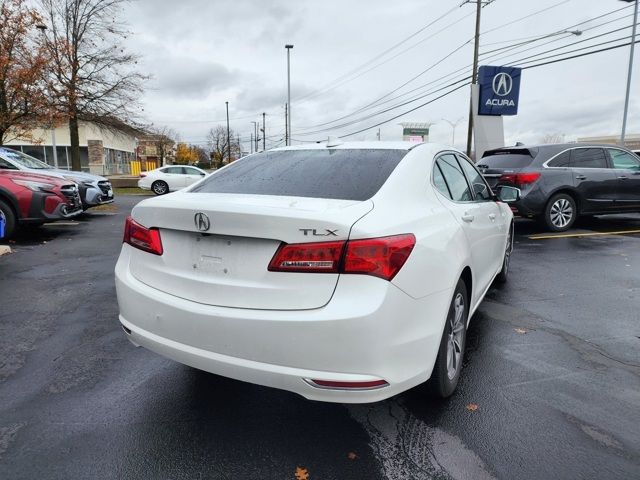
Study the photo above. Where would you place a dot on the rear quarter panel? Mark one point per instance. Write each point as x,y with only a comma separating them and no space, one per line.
406,203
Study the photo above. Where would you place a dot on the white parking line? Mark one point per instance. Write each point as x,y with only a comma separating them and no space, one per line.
587,234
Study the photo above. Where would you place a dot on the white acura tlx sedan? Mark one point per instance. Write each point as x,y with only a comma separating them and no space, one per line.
344,272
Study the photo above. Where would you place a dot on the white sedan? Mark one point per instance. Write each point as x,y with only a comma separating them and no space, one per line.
343,273
170,178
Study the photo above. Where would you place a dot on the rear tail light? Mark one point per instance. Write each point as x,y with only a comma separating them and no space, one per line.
520,179
141,237
381,257
308,257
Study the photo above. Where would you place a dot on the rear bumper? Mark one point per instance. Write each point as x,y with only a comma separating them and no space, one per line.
370,330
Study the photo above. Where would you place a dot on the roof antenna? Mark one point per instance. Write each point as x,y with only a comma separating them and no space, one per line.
333,141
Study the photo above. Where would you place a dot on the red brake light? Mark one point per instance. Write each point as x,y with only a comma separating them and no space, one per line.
322,257
381,257
141,237
520,179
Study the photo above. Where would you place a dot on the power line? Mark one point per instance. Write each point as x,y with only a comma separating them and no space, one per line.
372,104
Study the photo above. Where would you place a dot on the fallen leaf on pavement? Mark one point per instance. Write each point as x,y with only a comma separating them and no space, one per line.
302,473
472,407
352,456
521,330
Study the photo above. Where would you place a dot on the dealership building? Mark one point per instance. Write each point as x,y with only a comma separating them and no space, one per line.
631,141
103,150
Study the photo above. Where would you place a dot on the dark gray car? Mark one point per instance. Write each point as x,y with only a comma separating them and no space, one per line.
563,181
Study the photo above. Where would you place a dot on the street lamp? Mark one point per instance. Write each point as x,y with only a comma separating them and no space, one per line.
633,44
228,135
43,29
453,126
288,47
255,136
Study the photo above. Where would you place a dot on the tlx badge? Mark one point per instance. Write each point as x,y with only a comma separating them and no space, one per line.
316,233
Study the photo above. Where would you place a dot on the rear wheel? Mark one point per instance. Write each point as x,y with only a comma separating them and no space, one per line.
561,212
446,371
160,187
9,218
504,273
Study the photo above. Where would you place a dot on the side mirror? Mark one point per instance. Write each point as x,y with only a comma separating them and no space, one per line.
508,194
203,174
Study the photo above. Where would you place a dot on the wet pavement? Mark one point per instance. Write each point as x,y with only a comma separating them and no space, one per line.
550,387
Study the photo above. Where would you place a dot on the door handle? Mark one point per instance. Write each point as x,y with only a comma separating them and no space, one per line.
492,216
468,218
581,177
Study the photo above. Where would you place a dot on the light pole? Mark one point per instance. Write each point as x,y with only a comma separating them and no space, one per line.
228,134
288,47
626,98
264,131
453,126
43,28
255,135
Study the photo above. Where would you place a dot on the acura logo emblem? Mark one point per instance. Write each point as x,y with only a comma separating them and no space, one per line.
201,221
502,84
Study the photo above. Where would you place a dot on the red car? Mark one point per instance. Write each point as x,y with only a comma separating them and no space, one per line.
32,199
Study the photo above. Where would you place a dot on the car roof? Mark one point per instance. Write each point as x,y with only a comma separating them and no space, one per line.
548,149
369,145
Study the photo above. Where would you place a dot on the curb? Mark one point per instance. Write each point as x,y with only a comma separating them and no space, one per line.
4,249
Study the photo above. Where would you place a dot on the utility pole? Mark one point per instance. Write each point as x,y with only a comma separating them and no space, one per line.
264,131
228,134
626,98
251,144
474,74
378,134
288,47
239,148
286,126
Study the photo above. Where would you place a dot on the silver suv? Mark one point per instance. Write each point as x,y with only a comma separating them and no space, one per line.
94,190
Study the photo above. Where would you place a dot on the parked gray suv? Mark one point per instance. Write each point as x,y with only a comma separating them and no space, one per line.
563,181
94,190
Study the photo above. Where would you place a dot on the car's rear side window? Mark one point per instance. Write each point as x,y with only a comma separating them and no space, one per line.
562,160
456,181
346,174
588,158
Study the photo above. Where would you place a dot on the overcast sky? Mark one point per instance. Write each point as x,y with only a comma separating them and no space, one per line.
202,53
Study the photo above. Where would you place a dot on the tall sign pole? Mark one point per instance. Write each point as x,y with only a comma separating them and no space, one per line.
626,98
288,47
474,74
228,134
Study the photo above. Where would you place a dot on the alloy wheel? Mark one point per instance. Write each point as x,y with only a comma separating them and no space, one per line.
561,213
159,188
454,342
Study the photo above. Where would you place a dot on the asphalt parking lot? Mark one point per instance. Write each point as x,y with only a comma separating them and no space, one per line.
550,387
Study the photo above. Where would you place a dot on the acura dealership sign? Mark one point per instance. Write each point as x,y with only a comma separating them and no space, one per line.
499,90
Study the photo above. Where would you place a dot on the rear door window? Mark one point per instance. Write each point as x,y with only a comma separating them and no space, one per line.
346,174
456,181
439,182
588,158
174,170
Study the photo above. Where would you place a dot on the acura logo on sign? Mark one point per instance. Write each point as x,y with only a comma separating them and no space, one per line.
202,222
502,84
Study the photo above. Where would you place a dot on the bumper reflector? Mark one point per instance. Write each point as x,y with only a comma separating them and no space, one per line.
367,385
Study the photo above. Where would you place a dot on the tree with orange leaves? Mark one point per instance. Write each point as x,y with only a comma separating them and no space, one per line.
22,71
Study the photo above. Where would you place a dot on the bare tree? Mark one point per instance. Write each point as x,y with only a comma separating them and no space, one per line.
22,71
92,77
552,138
164,139
218,145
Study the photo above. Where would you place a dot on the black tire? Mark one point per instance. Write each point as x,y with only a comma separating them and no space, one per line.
10,219
560,213
445,375
160,187
503,276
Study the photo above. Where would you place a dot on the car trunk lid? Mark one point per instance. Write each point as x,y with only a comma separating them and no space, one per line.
226,265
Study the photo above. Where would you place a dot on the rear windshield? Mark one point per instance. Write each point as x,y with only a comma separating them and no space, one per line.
328,173
507,159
